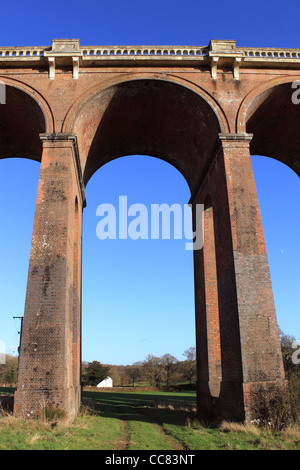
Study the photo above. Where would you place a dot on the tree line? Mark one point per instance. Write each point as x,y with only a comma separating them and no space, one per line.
155,371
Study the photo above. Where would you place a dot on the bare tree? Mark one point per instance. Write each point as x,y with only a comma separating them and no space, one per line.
134,372
168,363
190,363
152,369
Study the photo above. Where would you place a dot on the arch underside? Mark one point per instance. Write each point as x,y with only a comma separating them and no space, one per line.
153,117
157,118
274,120
21,122
149,117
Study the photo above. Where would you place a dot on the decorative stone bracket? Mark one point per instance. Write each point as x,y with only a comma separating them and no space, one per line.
224,53
64,52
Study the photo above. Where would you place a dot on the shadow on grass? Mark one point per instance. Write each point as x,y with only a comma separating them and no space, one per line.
137,406
143,407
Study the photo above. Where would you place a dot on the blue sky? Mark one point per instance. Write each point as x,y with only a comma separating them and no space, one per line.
138,295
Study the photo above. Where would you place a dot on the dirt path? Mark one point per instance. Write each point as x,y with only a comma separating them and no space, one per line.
124,444
174,443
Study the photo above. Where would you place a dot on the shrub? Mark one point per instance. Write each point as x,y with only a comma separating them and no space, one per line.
271,407
294,395
50,413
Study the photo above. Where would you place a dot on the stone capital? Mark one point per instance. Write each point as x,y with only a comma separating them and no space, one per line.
66,139
235,140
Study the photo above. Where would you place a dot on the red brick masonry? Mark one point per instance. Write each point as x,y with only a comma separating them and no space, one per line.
205,110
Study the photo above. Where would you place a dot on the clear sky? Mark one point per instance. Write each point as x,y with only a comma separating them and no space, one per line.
138,295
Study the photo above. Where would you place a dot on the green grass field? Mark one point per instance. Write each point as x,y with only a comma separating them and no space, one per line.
132,421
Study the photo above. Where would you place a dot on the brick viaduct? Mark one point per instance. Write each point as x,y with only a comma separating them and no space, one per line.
205,110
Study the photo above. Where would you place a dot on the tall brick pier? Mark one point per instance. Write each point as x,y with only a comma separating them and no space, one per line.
203,109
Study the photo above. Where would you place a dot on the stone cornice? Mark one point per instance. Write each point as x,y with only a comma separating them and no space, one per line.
218,54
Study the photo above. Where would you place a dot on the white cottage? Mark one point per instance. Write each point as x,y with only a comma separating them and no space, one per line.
106,383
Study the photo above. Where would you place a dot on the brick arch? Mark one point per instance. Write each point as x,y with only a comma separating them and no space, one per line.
269,114
23,117
69,121
152,114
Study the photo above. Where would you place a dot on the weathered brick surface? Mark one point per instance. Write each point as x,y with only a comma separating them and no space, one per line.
243,303
179,112
50,345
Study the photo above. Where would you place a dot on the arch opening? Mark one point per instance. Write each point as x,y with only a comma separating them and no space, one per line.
18,189
281,228
273,117
137,293
21,121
